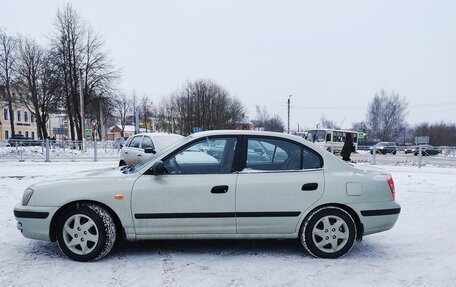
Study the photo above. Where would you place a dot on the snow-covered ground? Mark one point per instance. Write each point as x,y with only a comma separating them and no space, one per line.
419,251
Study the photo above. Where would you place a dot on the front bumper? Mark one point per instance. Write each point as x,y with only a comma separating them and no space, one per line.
34,221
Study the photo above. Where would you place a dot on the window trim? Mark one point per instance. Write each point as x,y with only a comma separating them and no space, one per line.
244,151
234,166
151,140
140,141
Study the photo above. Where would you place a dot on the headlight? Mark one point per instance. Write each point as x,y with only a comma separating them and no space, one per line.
27,195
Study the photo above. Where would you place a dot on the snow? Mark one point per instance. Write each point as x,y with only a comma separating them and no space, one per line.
419,251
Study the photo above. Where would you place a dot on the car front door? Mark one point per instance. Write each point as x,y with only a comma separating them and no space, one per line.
132,152
279,181
195,196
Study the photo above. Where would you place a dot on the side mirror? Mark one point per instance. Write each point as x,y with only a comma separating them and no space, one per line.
149,150
158,168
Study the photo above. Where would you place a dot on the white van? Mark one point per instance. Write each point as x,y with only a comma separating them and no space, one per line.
331,139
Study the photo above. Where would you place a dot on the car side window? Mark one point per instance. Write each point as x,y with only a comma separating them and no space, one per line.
205,156
128,141
280,155
135,142
310,159
147,143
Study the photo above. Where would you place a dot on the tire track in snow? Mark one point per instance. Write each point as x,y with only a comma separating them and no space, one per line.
168,269
118,268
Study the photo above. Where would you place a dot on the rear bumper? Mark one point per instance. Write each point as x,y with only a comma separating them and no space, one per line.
377,217
34,222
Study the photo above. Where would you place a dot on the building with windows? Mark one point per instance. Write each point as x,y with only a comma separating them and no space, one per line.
245,124
24,122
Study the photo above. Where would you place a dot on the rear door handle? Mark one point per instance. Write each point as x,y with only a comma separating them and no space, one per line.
219,189
309,186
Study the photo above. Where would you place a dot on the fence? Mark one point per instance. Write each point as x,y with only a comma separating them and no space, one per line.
442,156
51,150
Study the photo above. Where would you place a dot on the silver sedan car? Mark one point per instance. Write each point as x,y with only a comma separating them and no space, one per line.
141,146
212,185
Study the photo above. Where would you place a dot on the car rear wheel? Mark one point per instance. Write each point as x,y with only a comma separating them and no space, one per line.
86,232
328,232
394,152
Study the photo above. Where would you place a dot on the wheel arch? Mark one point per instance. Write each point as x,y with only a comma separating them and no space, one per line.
61,210
359,225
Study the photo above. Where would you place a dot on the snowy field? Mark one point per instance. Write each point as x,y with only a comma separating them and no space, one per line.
419,251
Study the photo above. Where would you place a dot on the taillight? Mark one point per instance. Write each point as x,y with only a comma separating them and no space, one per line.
390,181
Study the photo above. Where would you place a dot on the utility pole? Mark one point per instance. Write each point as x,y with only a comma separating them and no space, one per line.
103,132
135,114
81,101
289,113
172,121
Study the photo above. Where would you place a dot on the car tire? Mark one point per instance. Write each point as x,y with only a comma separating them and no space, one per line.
329,232
86,232
122,163
394,152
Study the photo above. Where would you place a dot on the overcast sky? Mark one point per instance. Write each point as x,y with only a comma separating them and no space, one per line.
331,56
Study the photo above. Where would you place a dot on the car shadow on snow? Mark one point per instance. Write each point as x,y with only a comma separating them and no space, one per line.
220,247
291,248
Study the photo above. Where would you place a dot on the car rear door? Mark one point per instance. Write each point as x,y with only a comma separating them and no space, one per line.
276,185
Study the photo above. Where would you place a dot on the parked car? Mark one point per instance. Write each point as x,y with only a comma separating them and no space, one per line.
141,146
305,193
410,149
384,148
21,140
426,149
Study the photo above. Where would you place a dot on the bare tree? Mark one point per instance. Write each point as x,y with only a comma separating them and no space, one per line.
329,124
146,110
440,134
201,103
262,116
36,79
124,108
77,48
264,121
7,61
274,124
166,115
386,116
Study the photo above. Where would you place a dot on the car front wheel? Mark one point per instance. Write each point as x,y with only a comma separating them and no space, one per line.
86,232
328,232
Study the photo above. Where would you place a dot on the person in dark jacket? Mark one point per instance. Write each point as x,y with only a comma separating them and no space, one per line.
348,148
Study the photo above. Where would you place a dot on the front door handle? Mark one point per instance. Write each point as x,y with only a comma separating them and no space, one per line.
219,189
309,186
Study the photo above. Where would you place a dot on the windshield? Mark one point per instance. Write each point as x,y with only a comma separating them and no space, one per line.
316,136
153,157
166,140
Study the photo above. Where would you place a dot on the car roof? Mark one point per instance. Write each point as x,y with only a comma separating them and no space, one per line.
156,134
249,133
